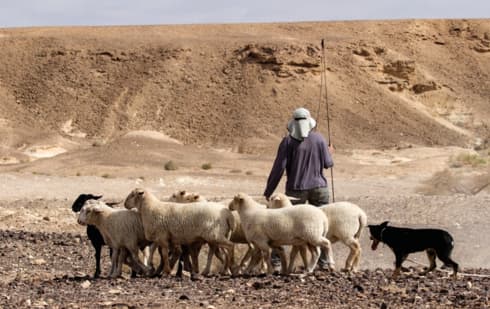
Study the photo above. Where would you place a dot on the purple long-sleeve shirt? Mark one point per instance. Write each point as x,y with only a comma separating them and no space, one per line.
303,161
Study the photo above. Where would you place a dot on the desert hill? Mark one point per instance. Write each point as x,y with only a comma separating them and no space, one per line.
389,83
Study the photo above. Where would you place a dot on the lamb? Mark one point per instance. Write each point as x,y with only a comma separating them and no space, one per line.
346,222
186,197
168,223
265,228
92,232
237,235
121,229
183,196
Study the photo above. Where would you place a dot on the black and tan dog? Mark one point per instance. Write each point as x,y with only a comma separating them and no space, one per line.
403,241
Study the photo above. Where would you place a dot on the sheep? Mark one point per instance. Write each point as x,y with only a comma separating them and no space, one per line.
237,235
346,222
264,228
121,229
168,223
92,232
194,249
186,197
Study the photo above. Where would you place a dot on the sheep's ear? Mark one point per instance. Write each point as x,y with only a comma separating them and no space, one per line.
96,197
196,197
141,192
182,193
384,224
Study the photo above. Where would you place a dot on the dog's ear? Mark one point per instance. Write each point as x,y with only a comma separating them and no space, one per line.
384,224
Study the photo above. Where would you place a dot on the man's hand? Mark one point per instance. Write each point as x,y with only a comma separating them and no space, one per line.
331,148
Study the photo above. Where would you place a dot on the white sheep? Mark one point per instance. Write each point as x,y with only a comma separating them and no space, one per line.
345,220
183,196
237,235
186,197
264,228
121,229
167,223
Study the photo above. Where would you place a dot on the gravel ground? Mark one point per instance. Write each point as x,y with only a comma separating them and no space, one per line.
50,270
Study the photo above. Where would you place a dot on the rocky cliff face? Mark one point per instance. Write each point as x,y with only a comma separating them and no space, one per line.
389,83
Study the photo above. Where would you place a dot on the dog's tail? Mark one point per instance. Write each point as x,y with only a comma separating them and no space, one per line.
362,224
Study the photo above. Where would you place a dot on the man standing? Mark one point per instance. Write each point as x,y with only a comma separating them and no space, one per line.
303,154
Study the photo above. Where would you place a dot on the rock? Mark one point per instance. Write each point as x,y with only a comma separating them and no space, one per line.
86,284
38,262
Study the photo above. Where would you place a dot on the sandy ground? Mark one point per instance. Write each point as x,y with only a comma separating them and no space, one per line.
43,250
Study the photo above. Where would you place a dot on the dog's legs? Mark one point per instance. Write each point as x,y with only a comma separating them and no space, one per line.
400,257
431,254
444,256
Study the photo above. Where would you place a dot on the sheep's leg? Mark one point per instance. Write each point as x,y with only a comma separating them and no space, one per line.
292,258
191,257
315,255
256,257
284,262
355,251
246,257
304,258
151,252
176,253
211,251
98,249
114,262
267,257
230,258
193,265
165,259
159,269
357,258
327,246
266,254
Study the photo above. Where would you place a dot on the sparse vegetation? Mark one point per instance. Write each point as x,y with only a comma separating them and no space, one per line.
78,174
467,159
170,166
249,173
97,143
207,166
106,175
235,171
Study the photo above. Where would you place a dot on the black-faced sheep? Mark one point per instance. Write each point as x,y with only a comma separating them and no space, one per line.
121,229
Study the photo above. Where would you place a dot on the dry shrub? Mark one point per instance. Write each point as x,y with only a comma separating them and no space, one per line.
441,183
207,166
170,166
467,159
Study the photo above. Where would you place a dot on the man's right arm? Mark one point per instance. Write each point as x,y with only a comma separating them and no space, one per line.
277,169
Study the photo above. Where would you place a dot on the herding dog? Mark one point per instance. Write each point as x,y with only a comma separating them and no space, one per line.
404,241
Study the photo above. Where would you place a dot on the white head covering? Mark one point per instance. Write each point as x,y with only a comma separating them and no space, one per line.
301,124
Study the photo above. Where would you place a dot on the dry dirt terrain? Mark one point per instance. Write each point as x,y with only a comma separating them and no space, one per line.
102,110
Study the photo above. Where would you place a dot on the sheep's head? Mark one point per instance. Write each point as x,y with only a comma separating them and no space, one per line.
186,197
238,201
279,200
88,213
135,199
81,199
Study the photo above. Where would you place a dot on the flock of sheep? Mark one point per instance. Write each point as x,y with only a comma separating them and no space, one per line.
179,227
